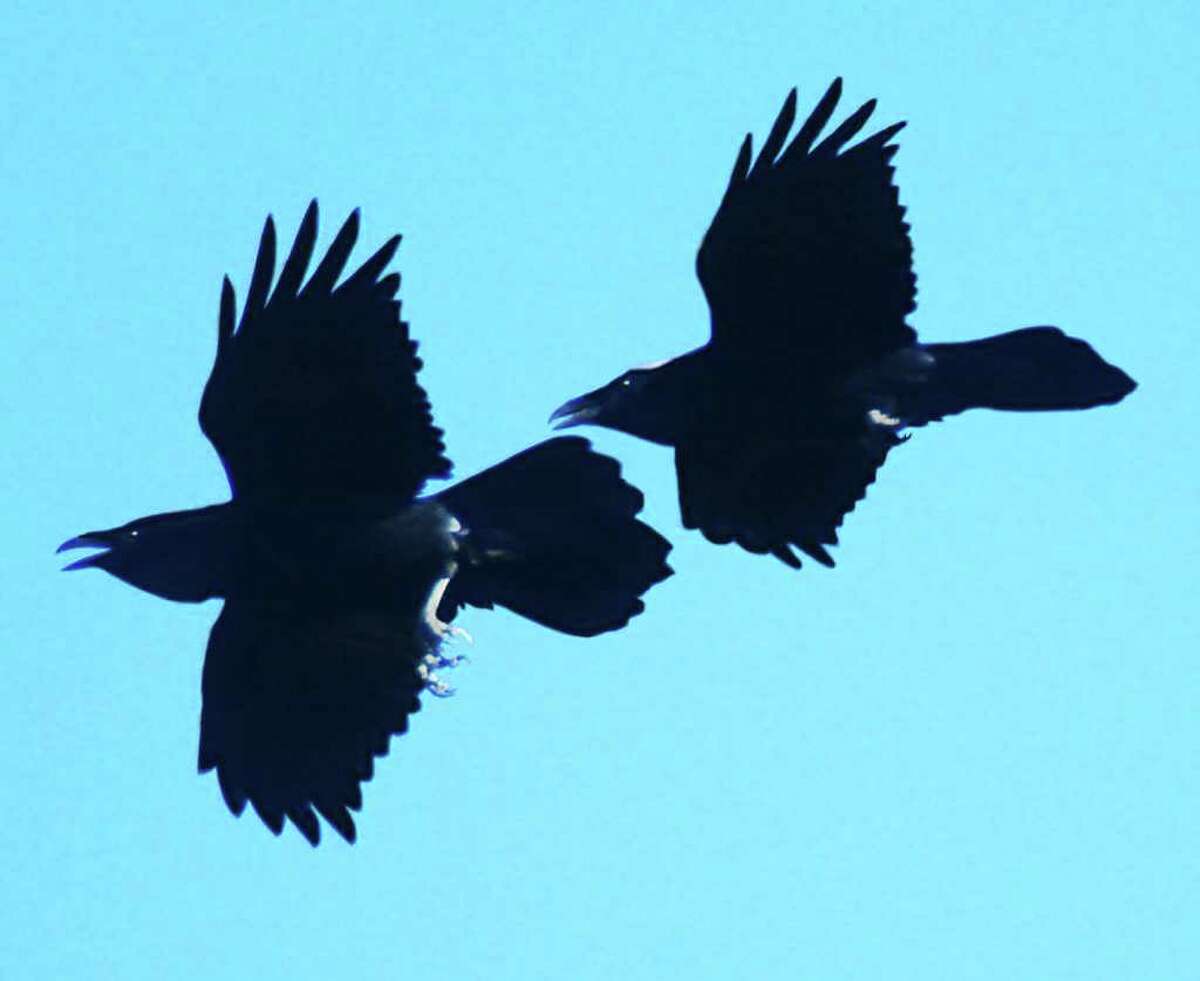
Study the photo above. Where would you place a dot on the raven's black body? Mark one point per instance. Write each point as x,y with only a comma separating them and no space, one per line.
780,422
327,560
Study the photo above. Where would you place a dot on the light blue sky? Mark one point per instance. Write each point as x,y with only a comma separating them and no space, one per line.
969,752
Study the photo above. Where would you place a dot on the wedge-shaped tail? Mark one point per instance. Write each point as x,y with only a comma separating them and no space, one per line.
552,534
1029,370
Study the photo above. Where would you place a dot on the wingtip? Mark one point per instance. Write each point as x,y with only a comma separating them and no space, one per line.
308,224
306,822
785,555
889,133
339,818
271,818
389,285
268,232
311,216
264,268
816,551
741,166
350,226
228,311
292,274
235,799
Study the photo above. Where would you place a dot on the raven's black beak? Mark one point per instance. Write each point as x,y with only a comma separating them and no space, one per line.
93,539
576,412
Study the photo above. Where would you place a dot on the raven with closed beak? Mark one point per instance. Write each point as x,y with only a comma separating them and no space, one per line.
780,422
339,581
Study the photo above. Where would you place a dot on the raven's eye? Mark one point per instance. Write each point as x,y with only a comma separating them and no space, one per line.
133,534
626,382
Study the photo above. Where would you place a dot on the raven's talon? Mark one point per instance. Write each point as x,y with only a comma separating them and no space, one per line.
447,633
433,684
453,633
438,688
439,660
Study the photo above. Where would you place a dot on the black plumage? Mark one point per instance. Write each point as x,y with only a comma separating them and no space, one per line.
781,421
338,580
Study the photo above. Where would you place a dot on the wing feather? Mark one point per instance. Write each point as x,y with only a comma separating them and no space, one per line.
260,279
834,142
812,126
330,268
297,261
774,142
226,317
369,271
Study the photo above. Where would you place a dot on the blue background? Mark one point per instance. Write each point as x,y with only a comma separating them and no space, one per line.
968,752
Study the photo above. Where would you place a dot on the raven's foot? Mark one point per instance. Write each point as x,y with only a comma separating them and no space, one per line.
448,633
436,660
443,633
433,684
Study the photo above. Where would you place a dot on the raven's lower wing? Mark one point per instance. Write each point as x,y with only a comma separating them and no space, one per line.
769,495
296,708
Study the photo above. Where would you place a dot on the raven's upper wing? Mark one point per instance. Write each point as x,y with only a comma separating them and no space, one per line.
296,708
808,259
315,392
767,495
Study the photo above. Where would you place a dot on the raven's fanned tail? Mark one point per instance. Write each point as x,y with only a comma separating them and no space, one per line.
552,534
1029,370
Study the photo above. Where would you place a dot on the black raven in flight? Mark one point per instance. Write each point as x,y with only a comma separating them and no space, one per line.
781,420
339,582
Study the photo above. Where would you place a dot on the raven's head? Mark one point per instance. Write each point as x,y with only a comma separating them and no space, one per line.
178,556
650,403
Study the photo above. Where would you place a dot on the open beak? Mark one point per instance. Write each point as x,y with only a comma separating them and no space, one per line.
93,539
575,413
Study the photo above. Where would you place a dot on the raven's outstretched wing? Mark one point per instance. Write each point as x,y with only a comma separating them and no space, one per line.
315,392
808,262
296,708
767,495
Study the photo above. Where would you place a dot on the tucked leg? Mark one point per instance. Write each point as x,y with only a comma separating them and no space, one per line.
442,632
